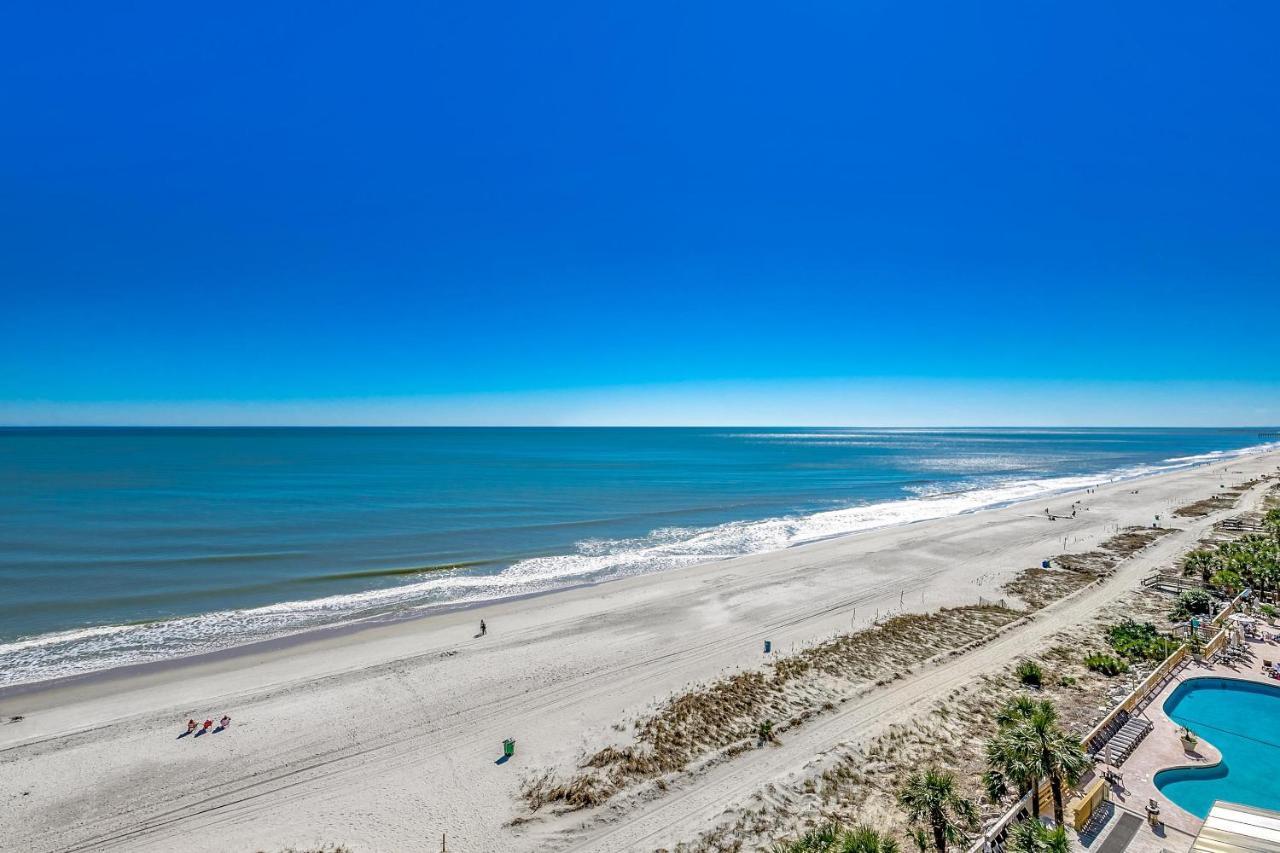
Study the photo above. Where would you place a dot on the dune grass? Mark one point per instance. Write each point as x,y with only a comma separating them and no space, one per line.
1222,500
721,719
724,717
859,781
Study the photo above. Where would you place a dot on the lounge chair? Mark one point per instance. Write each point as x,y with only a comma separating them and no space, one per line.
1099,741
1122,744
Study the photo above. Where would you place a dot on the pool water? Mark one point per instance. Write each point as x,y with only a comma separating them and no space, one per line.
1240,718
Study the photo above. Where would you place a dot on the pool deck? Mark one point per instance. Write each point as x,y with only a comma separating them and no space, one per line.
1161,749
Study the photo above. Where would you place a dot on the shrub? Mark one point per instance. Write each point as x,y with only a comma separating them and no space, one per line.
1030,673
1139,641
832,837
1032,836
1106,664
1193,602
1228,581
1268,611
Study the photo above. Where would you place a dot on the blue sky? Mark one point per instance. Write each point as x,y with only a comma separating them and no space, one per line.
866,213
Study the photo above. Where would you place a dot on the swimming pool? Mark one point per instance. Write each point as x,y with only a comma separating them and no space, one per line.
1240,718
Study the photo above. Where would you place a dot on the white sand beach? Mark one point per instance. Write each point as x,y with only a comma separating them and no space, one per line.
388,737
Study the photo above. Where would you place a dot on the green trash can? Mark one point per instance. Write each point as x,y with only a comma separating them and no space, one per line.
509,747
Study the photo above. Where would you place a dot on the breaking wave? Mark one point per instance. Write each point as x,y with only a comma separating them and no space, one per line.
89,649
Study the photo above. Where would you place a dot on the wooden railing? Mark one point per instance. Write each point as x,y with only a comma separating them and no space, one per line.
1228,610
1136,696
1218,643
993,832
1083,807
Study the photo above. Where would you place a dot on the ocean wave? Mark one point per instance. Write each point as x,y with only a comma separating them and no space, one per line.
1211,456
1219,455
89,649
390,573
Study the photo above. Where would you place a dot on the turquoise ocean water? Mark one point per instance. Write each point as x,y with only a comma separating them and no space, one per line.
129,545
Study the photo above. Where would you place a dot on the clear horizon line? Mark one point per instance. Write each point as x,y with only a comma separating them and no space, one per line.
1238,427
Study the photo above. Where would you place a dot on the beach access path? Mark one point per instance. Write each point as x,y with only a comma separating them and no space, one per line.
681,815
385,738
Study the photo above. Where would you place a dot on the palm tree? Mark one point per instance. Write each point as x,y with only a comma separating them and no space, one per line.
1018,709
1031,746
1201,561
819,840
1228,581
1061,759
1055,840
1258,561
1032,836
932,799
1267,575
1272,521
1255,558
1024,836
834,838
1011,761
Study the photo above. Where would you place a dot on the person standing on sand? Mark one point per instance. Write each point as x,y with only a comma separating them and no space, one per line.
208,724
483,629
224,722
191,726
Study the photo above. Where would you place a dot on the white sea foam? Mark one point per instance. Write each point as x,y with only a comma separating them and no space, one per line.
1218,455
1211,456
95,648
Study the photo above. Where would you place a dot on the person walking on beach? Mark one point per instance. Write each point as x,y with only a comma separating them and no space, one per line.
191,726
225,722
208,724
483,629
